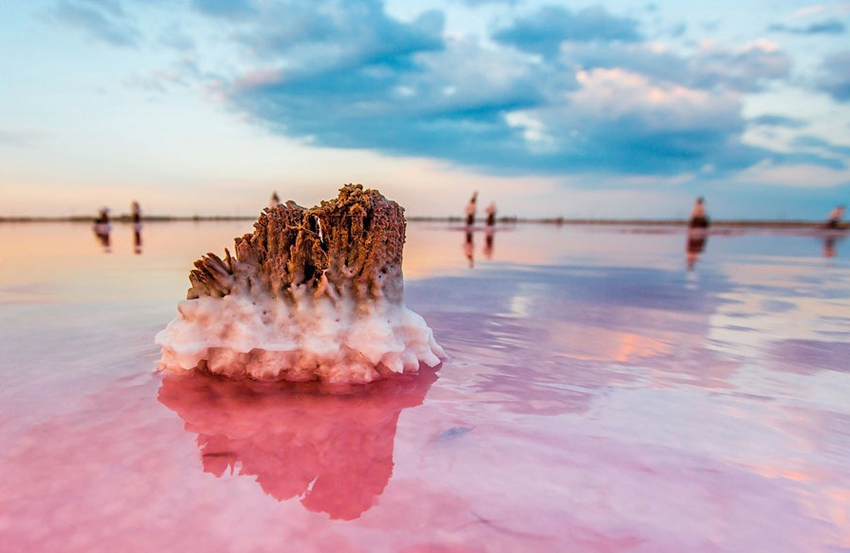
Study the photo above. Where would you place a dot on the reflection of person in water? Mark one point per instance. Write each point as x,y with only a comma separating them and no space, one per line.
830,243
334,451
698,217
102,229
470,210
490,230
489,234
697,238
136,215
829,247
469,247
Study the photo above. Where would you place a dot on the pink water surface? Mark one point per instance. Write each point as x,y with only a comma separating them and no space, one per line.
600,396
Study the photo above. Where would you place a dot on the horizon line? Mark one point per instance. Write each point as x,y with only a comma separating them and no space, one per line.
126,218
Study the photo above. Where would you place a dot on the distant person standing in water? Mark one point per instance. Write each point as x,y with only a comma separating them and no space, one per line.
834,219
102,228
102,224
136,215
491,214
470,210
275,200
698,217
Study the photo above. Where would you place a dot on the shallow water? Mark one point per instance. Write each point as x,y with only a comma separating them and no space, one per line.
600,397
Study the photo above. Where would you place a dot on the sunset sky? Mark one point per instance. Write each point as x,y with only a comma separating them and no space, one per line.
575,109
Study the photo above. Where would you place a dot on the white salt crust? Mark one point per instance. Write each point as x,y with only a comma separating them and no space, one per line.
334,340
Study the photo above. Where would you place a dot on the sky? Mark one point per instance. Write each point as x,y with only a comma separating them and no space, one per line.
613,109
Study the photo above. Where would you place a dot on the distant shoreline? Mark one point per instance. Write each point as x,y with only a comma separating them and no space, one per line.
453,220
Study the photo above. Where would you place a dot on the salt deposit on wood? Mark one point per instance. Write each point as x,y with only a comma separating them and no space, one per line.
310,294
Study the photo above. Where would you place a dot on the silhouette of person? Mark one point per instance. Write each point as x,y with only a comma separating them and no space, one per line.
102,229
698,217
136,215
275,199
470,210
491,214
834,219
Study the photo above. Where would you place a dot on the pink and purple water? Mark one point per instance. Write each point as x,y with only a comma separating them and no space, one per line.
600,397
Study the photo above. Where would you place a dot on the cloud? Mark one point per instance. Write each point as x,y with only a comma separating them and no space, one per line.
829,26
430,108
796,175
175,37
835,80
477,108
807,12
101,20
224,8
745,69
646,58
22,138
313,37
817,143
544,31
162,81
348,75
769,120
476,3
626,122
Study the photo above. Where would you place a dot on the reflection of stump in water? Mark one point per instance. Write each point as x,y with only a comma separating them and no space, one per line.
334,451
311,294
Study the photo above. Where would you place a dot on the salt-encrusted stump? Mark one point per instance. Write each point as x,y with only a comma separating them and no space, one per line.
311,294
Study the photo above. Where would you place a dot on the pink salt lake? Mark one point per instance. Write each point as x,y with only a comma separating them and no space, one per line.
599,397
